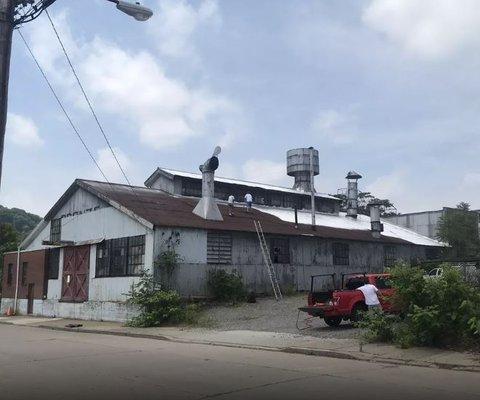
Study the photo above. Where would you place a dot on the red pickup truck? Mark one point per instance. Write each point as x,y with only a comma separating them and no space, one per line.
346,303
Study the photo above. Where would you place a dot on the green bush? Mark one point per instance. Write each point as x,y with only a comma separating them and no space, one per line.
444,311
157,306
226,287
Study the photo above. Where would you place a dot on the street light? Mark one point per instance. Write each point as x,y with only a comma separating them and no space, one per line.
17,12
135,10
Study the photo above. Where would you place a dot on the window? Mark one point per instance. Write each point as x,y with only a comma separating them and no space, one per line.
219,248
53,260
341,254
120,257
432,253
389,256
136,255
24,273
55,230
280,250
192,187
10,274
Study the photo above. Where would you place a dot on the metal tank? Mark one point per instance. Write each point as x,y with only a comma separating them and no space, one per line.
298,166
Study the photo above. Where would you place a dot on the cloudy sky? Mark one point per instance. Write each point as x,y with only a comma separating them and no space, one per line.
389,88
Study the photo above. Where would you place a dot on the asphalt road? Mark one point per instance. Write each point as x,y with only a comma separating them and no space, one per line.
42,364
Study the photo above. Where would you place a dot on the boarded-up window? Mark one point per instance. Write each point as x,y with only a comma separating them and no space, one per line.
10,274
389,256
53,259
55,230
280,250
219,248
120,257
341,254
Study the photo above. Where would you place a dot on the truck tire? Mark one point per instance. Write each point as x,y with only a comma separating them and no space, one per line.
333,321
357,311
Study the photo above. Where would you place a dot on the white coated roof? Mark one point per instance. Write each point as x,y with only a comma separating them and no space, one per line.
245,183
341,221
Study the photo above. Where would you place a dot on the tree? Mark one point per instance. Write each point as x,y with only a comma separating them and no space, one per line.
387,208
459,228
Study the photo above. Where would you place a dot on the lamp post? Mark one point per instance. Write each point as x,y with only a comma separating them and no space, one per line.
17,12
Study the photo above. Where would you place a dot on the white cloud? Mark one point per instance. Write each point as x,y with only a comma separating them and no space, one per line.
427,28
177,21
265,171
134,87
109,166
23,131
390,186
335,127
471,180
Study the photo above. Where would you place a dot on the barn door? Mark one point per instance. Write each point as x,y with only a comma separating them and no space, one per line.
82,259
75,273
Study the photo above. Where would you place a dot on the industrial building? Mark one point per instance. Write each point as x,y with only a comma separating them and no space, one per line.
426,222
96,240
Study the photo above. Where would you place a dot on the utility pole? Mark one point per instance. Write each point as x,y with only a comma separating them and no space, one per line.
17,12
6,31
312,188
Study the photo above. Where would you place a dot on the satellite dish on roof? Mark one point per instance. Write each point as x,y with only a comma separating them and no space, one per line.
217,151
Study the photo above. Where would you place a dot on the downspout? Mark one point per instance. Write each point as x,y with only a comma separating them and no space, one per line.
17,281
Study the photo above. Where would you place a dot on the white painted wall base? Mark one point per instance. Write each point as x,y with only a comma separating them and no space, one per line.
89,310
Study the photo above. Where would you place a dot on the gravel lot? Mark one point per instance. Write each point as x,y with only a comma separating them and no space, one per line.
270,315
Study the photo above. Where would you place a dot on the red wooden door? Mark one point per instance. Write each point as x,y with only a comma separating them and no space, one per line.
82,259
75,273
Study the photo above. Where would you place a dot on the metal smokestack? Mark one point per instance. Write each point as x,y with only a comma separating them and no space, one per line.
376,225
207,207
352,193
298,166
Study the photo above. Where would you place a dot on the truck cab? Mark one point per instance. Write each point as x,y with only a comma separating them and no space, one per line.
346,302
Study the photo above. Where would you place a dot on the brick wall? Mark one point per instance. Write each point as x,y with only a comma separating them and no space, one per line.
35,274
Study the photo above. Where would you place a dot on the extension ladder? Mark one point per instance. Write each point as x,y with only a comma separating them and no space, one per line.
268,261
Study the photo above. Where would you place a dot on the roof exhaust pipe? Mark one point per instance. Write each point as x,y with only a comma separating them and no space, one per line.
352,193
376,225
207,207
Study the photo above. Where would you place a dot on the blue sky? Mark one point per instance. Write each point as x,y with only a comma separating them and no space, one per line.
389,88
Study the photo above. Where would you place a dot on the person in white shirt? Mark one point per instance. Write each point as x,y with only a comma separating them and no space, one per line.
231,201
249,201
371,297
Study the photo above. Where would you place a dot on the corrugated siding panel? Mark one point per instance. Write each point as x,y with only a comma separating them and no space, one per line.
219,248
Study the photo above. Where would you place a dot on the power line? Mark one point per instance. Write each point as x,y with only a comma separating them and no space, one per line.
90,106
72,124
87,98
61,104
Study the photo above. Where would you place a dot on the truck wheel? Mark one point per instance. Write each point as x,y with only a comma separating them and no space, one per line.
357,312
333,321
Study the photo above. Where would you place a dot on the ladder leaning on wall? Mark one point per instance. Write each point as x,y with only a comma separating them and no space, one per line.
268,261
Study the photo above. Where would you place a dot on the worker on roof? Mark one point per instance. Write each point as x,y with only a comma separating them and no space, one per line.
249,201
231,201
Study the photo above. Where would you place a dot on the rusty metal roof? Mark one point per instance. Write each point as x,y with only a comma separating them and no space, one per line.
161,209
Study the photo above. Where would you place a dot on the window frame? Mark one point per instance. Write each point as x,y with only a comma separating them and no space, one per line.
9,274
55,230
340,253
113,255
53,254
283,244
24,273
389,255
